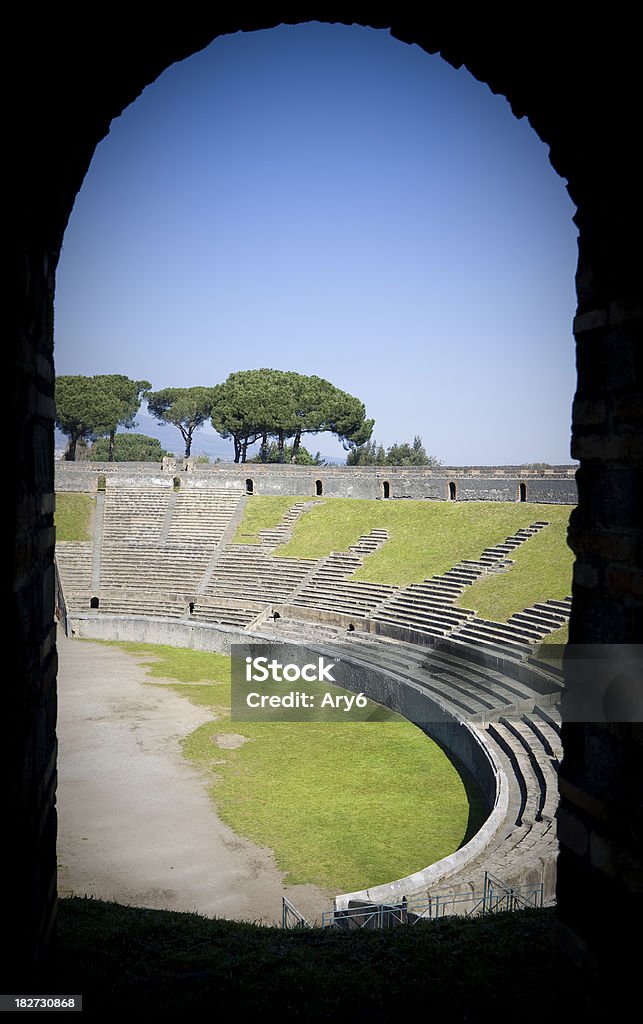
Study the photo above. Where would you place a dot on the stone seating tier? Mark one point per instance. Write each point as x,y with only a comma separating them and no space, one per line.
74,560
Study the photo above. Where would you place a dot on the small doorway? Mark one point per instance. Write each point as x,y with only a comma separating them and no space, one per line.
522,491
318,487
386,488
250,486
452,490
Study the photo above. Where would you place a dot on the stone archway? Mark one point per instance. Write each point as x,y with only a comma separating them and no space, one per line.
578,89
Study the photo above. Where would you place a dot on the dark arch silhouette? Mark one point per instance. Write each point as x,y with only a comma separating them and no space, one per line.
94,602
522,491
319,488
386,489
250,486
453,490
578,87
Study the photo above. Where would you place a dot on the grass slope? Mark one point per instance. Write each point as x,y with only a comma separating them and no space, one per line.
261,513
166,965
542,569
342,805
424,537
73,516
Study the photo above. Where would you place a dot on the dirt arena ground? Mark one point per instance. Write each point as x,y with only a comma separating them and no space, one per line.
135,824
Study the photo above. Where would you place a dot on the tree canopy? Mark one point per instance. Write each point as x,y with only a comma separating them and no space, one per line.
128,448
185,408
124,399
302,457
92,407
276,407
253,405
374,454
77,411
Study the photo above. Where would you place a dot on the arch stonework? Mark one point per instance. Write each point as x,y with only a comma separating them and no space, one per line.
578,88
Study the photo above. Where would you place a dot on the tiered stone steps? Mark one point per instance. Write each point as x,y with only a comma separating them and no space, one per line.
544,617
522,631
420,607
74,561
134,514
467,691
369,543
428,607
330,588
152,568
247,572
224,614
528,847
158,540
273,536
128,602
200,517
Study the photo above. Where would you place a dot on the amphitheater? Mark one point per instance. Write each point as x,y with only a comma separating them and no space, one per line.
162,566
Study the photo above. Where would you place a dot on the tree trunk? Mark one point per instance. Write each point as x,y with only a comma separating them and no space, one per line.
280,446
295,446
110,453
244,449
263,451
237,448
70,454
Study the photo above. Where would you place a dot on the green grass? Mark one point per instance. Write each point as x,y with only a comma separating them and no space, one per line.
342,805
261,513
552,647
424,537
542,570
73,516
166,965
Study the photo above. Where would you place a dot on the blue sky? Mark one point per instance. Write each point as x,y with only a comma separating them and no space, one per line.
329,200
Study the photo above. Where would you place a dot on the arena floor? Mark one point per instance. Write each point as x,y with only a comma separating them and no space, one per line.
135,821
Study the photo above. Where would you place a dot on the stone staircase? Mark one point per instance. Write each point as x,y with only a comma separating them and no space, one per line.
248,572
429,607
522,632
331,588
272,537
74,561
200,517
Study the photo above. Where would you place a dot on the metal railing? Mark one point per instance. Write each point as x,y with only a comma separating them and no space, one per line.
498,896
290,916
495,897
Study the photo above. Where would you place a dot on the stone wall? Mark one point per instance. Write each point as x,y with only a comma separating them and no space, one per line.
472,483
577,81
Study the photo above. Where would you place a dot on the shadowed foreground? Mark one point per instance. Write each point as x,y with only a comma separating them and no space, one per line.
452,970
